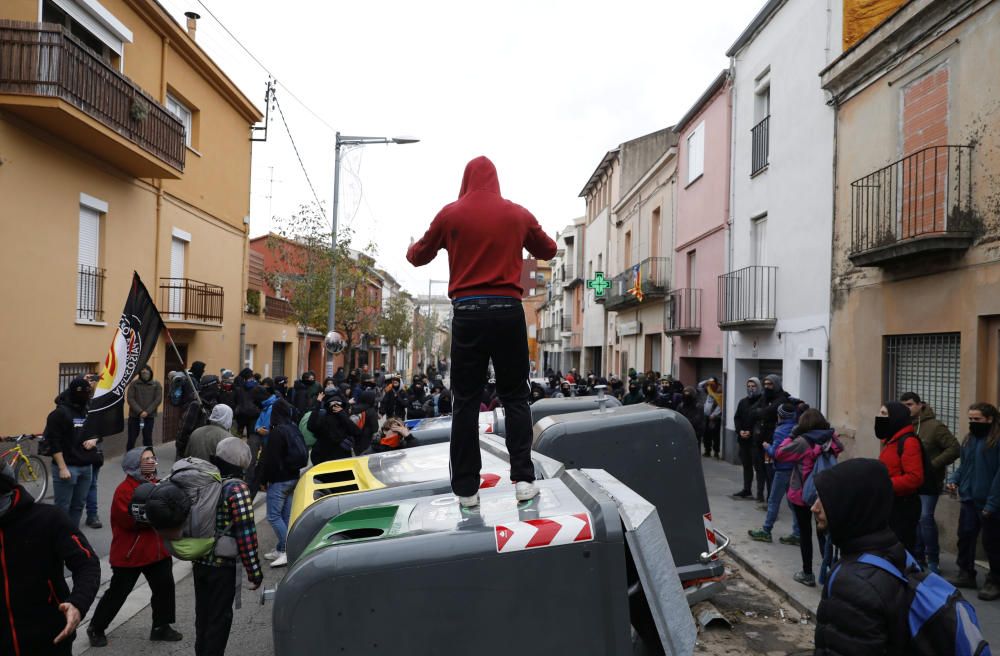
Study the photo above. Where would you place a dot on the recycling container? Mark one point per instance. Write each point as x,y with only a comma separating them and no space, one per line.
424,576
655,453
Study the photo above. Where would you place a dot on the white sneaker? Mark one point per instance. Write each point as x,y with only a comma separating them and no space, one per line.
271,555
525,491
280,561
469,502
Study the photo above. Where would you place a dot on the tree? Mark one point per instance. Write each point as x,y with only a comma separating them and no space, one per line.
396,325
425,330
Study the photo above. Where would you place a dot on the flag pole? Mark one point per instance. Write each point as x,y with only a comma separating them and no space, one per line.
194,387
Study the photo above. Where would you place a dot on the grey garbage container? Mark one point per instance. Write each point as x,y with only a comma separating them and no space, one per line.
423,576
326,489
655,453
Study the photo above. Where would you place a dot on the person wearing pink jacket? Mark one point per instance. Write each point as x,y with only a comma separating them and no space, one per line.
810,438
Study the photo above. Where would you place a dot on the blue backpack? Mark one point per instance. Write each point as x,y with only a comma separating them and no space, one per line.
827,460
939,619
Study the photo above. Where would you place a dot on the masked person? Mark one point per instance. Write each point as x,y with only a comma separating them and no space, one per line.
144,397
765,420
634,395
692,411
227,389
393,402
903,456
304,392
74,453
331,424
136,549
37,541
484,235
743,423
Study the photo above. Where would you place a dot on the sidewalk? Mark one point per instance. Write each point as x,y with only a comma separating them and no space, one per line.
776,563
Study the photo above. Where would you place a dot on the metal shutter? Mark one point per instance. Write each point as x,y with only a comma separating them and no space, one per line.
929,365
177,248
90,236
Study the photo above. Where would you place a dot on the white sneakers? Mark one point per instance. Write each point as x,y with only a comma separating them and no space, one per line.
280,561
525,491
469,502
272,555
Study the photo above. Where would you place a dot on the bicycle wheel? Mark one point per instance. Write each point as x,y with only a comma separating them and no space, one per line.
33,476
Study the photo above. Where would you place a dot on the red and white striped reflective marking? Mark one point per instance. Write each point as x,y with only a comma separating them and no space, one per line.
710,532
486,428
549,532
488,480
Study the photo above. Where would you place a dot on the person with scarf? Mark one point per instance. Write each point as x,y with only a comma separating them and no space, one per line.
330,422
144,397
634,395
37,541
74,453
902,454
787,419
743,424
247,404
304,392
692,411
977,482
811,437
136,549
765,419
713,416
484,234
278,477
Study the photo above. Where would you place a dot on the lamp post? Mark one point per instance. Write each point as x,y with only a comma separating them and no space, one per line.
341,141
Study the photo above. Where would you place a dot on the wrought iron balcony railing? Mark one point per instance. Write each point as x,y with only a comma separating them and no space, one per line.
682,312
651,277
90,293
760,145
747,298
190,300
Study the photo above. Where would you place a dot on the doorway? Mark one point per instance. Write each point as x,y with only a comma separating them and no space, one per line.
811,382
989,374
654,353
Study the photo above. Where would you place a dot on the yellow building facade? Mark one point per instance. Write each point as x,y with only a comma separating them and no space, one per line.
122,147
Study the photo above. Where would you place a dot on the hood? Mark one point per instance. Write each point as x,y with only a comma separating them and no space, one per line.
269,401
130,462
246,373
222,415
139,379
20,501
819,436
367,398
197,369
899,416
857,498
776,380
480,175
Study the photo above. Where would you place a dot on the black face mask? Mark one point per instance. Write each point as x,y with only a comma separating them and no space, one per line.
979,429
769,393
80,398
883,430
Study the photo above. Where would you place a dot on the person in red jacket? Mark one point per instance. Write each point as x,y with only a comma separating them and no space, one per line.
903,457
136,549
484,235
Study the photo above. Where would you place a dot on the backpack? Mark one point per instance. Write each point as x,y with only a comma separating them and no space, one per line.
307,435
827,460
177,391
939,619
296,453
183,508
927,487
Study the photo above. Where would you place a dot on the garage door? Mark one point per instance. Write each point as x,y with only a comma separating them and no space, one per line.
928,365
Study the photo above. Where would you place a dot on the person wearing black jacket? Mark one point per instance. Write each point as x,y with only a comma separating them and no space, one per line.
247,403
367,412
278,477
331,424
197,412
692,411
304,392
393,401
743,424
765,420
74,453
863,609
40,611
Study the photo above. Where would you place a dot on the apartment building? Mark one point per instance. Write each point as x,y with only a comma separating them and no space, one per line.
774,299
123,147
600,193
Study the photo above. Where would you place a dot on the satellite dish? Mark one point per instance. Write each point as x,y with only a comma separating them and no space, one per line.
334,342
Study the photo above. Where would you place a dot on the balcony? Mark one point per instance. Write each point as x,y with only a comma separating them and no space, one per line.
277,308
652,276
760,144
50,79
919,205
573,341
569,275
567,323
747,298
548,334
682,310
190,303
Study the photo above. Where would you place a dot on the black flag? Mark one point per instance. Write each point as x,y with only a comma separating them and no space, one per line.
133,343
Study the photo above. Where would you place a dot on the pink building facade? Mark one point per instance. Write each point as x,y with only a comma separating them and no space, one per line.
700,238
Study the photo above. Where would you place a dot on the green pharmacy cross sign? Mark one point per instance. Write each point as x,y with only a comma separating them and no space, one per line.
599,284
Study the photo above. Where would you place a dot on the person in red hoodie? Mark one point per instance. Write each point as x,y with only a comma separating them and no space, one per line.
136,549
903,457
484,234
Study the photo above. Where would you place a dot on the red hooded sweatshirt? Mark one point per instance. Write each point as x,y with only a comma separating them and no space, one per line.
484,235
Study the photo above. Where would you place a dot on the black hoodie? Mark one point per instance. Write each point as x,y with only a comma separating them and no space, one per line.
36,541
864,610
65,432
367,406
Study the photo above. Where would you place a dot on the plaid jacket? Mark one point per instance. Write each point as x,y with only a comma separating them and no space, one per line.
234,516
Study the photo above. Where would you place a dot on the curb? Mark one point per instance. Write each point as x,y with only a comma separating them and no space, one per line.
762,576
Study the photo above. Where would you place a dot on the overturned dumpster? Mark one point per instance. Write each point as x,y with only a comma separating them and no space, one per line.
584,568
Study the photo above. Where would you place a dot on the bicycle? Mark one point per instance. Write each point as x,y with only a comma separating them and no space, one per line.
29,470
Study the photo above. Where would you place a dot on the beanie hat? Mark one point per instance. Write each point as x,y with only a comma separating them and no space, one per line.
234,451
786,411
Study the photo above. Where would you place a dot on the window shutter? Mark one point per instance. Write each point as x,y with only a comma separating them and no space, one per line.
696,152
90,235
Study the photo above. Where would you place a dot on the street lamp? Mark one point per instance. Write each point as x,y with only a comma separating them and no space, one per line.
332,336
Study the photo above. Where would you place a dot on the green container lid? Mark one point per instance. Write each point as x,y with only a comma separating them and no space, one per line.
371,523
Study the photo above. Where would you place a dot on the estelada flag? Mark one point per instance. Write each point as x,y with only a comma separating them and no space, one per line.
133,343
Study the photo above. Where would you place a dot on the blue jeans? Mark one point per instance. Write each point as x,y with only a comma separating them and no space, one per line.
279,509
71,495
779,487
92,494
927,549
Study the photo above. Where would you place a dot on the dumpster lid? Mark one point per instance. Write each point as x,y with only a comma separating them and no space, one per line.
430,462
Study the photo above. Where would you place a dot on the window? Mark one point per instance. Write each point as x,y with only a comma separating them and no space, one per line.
761,131
929,365
90,277
278,359
92,25
758,241
696,153
70,370
627,254
178,109
692,269
178,253
654,237
249,350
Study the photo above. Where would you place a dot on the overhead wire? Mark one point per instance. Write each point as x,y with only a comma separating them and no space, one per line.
277,104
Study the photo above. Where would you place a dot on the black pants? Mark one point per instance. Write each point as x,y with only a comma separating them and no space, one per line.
746,459
480,330
214,593
710,442
970,523
133,431
904,519
760,468
160,577
805,520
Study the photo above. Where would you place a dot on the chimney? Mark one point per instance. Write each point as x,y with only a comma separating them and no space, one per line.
192,23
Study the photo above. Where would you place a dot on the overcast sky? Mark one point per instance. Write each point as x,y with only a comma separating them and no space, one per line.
543,88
